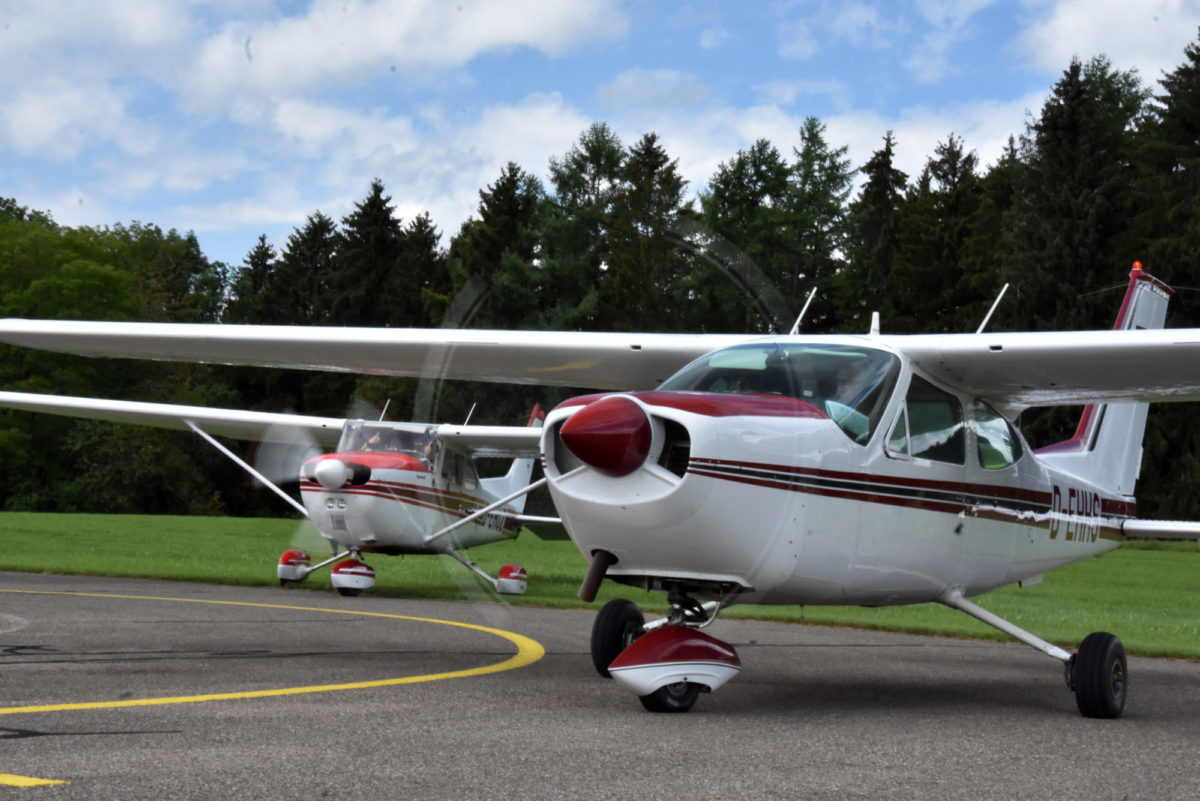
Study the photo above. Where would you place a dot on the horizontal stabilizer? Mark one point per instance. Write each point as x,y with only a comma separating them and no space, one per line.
1162,529
485,441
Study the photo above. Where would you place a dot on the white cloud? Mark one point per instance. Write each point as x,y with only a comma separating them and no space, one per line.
707,136
983,126
797,40
652,89
1149,35
349,42
713,37
859,23
58,119
949,22
435,164
787,92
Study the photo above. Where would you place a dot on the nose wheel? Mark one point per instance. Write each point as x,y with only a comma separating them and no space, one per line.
678,697
617,625
666,663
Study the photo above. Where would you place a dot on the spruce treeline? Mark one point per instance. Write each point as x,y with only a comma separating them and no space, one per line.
1105,173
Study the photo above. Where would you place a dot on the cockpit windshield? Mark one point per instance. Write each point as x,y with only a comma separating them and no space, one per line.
851,384
361,435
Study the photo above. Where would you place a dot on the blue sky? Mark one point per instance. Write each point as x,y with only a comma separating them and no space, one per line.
234,119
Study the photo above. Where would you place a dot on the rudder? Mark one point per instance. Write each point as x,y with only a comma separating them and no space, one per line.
1107,447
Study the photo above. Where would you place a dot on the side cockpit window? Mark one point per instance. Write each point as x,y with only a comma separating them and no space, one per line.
998,445
930,426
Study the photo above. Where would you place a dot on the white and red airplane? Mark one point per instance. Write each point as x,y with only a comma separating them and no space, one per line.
865,470
386,488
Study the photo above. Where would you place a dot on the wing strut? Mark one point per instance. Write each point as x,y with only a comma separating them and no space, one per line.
242,463
478,513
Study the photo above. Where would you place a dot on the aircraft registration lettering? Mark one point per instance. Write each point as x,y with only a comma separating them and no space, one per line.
1079,518
492,520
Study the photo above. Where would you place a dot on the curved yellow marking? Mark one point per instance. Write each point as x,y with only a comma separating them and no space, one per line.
12,780
528,652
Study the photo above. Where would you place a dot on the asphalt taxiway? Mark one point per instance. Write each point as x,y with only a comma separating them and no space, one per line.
113,688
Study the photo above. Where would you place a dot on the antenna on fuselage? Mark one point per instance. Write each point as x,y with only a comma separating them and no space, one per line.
386,403
471,412
796,327
995,303
874,324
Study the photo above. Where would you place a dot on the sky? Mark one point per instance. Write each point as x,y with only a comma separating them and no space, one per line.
236,118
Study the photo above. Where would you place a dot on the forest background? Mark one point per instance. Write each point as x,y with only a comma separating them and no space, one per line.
1104,174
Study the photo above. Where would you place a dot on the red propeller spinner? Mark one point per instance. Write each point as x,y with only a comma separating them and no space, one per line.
612,435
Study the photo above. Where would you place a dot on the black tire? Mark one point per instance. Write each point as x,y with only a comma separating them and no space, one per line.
618,623
678,697
349,592
1100,676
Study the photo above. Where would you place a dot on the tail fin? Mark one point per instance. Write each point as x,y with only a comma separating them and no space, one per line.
519,473
1107,447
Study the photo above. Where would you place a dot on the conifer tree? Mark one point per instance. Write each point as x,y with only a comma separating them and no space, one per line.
865,285
247,293
642,288
367,249
576,226
300,292
499,250
748,242
1070,220
934,228
817,212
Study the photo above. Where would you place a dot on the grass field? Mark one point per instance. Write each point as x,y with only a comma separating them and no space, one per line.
1148,594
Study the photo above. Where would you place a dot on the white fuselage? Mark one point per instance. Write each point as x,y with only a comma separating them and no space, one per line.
785,508
399,506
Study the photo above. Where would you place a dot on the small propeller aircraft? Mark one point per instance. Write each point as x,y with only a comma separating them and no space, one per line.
866,470
387,488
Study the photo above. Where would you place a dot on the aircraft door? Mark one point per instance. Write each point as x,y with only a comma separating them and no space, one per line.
993,532
910,542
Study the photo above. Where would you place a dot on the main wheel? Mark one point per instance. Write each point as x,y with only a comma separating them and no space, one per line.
678,697
1100,680
349,592
618,623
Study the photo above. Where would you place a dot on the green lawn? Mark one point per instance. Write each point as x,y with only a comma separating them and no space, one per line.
1146,593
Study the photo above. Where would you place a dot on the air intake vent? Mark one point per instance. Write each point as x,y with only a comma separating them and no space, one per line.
677,448
564,460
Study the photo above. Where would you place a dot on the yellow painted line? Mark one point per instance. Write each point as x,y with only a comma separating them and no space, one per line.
12,780
528,652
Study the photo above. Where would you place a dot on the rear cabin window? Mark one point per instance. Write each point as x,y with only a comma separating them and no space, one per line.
998,445
931,425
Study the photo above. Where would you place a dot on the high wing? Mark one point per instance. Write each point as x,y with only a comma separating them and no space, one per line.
265,426
1063,368
231,423
573,359
1012,371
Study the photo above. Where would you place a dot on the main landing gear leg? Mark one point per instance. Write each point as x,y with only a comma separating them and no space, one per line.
350,576
512,580
1096,673
667,663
